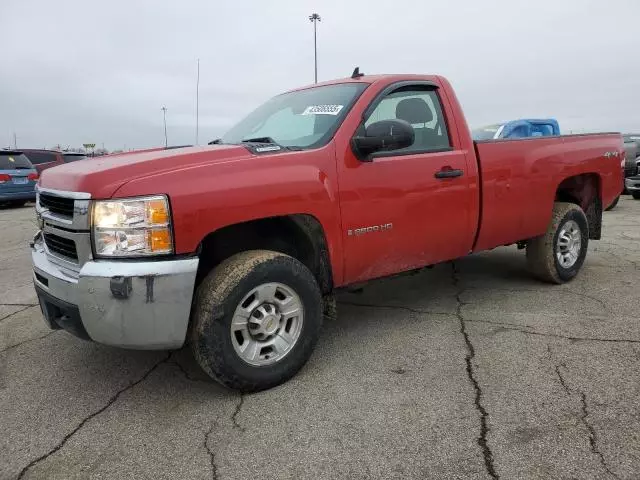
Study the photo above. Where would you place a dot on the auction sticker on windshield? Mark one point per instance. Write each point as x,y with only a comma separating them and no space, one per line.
322,110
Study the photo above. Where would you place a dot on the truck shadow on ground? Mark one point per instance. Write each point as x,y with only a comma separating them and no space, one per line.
435,288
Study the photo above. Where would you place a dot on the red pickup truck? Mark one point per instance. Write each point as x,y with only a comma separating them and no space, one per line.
234,246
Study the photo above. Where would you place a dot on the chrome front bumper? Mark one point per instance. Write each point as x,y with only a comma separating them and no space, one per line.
632,184
129,304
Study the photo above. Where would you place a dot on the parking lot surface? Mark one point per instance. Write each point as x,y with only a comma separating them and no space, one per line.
468,370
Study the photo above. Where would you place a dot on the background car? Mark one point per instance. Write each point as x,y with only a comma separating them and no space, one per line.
632,165
522,128
68,157
18,178
43,159
632,152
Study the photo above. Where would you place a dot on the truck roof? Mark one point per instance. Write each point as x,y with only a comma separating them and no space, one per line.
387,78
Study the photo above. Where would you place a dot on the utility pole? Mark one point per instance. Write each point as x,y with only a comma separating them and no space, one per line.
15,141
315,18
164,117
197,100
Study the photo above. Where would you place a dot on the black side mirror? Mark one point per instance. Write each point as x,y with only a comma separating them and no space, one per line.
383,136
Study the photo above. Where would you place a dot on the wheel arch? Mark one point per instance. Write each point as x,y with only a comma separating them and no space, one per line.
301,236
584,190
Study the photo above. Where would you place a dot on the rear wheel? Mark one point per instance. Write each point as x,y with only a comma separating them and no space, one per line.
558,255
257,318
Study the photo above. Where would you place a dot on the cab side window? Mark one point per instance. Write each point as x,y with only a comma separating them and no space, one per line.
422,109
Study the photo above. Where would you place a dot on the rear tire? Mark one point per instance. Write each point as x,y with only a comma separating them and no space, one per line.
636,195
18,203
260,288
558,255
613,205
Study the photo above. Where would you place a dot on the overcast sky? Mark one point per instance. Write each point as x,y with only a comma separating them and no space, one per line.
78,71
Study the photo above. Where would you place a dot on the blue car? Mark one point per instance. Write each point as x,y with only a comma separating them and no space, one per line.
18,178
523,128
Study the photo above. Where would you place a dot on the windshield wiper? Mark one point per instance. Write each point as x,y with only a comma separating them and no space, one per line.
22,168
260,140
217,141
270,141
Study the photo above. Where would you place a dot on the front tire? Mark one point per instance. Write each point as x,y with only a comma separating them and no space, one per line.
636,195
257,317
558,255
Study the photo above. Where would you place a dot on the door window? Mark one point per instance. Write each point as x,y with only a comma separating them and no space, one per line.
422,109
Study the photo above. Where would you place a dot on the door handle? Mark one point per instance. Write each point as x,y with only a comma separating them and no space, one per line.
448,173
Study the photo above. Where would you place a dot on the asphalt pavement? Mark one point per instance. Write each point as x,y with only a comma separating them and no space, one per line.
467,370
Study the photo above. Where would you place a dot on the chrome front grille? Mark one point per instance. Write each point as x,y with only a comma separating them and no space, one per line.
55,204
64,219
64,247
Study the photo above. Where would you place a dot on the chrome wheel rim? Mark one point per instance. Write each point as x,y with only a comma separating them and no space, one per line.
267,324
569,244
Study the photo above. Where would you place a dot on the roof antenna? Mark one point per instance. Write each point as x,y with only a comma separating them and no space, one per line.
356,73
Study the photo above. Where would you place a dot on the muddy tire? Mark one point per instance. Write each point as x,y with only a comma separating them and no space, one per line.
558,255
613,205
256,319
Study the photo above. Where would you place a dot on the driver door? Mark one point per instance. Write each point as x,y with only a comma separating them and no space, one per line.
398,212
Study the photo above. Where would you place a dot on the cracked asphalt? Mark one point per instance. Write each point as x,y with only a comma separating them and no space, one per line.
467,370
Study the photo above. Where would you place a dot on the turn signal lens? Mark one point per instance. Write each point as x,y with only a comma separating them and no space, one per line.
157,212
159,240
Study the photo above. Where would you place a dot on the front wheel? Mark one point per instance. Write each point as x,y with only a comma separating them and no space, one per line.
257,318
636,195
558,255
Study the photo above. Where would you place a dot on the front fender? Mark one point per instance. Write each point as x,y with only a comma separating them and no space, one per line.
209,197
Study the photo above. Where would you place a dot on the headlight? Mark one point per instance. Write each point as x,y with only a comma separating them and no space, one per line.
132,227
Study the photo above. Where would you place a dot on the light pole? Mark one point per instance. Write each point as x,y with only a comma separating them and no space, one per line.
315,18
197,100
164,117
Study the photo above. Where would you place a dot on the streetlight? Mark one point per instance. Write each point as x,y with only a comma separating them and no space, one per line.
315,18
197,101
164,117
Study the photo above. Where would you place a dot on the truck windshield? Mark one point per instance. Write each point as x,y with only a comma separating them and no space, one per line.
485,133
301,119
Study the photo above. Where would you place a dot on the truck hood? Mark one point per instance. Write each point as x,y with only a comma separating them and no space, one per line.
102,176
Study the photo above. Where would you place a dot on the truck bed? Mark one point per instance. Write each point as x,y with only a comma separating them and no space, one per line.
519,179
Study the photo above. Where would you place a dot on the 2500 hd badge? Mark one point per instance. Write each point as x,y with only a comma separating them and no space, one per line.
374,228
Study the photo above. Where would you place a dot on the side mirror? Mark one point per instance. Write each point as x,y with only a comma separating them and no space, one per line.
383,136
